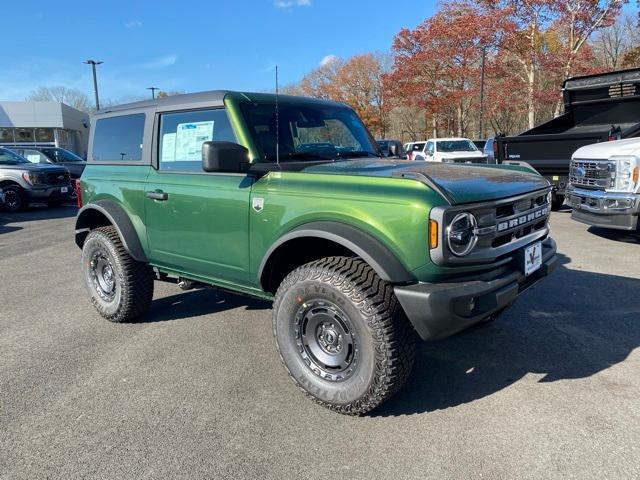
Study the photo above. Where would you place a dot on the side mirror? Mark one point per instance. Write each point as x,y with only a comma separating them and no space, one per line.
224,157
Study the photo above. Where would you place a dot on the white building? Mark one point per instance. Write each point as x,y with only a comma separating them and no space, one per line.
44,123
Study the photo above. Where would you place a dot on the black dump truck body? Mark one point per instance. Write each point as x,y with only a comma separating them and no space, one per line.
597,108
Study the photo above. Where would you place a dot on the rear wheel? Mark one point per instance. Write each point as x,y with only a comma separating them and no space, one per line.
556,202
120,288
14,198
342,334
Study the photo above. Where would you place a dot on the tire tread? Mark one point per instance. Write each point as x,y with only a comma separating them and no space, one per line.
393,334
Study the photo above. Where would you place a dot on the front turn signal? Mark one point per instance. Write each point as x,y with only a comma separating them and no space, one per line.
635,174
433,234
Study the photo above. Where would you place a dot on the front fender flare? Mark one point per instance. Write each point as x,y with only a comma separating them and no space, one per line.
119,218
371,250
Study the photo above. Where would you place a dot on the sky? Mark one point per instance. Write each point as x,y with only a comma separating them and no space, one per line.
189,45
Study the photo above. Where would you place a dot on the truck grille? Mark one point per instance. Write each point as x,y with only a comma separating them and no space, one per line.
594,174
469,160
56,178
504,226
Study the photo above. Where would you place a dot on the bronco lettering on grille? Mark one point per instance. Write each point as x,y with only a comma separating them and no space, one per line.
523,219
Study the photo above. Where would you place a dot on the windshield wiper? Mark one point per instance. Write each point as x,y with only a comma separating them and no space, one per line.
360,153
302,155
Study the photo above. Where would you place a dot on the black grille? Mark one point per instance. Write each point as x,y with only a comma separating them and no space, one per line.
56,178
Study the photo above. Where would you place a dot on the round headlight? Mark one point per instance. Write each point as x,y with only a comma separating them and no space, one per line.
461,234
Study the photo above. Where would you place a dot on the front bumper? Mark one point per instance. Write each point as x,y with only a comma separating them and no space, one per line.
438,310
48,192
605,209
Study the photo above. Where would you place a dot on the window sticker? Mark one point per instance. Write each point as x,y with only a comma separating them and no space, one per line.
168,147
189,139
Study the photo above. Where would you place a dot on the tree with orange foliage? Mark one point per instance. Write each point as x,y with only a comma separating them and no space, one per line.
437,64
357,82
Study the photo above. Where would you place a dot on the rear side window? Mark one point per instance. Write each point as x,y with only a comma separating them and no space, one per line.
119,139
183,133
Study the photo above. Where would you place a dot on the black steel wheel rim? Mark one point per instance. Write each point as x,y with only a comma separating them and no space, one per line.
326,340
12,199
103,276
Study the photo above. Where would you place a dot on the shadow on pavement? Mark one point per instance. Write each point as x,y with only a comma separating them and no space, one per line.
573,325
35,213
195,303
616,235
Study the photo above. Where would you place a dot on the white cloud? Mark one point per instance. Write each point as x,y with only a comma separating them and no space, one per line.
328,59
133,24
287,4
161,62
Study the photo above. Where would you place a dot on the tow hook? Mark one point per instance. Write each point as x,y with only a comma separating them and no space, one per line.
186,284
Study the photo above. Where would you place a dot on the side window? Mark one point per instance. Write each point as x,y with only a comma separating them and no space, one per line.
182,135
34,156
430,148
119,139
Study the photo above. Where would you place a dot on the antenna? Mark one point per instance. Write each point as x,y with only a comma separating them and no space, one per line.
277,121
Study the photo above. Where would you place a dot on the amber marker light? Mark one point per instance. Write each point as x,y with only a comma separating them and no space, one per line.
433,234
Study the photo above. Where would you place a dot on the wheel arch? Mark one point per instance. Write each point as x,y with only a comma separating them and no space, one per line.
328,239
103,213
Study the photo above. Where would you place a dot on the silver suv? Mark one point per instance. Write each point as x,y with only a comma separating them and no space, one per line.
23,182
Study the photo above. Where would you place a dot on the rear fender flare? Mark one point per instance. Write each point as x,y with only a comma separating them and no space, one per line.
118,217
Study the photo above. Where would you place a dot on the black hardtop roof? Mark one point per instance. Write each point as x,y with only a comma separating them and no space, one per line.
214,97
602,79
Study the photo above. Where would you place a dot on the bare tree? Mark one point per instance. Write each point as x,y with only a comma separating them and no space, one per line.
612,42
69,96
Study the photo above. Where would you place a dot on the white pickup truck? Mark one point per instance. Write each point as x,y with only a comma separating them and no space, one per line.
604,188
447,150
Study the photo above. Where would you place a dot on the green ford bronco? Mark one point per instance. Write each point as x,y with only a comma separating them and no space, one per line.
287,199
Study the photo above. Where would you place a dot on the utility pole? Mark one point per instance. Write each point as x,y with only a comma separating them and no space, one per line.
93,64
484,55
153,91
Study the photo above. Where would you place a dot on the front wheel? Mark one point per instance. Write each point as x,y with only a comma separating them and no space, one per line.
342,334
120,288
14,199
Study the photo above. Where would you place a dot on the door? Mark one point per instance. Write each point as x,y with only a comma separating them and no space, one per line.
429,151
197,222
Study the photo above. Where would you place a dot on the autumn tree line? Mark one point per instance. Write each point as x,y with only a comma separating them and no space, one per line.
430,82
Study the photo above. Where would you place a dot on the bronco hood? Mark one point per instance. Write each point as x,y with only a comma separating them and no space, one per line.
458,183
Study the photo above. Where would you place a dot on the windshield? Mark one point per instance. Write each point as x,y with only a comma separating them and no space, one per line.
456,146
61,155
7,157
308,132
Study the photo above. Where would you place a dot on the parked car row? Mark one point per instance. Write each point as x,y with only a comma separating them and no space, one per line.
43,175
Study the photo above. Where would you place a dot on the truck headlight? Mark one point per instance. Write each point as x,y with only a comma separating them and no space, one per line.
461,234
31,178
626,173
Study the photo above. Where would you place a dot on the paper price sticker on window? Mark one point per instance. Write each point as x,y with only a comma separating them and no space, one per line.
189,140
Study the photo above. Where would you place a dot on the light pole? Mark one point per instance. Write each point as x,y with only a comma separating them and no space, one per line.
153,91
484,56
93,64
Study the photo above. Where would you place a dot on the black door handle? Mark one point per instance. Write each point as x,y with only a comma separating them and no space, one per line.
157,195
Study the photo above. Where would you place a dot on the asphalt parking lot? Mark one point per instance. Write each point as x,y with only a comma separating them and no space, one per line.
196,390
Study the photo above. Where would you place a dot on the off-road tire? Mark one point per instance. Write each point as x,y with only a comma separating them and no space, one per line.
20,197
133,280
385,338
